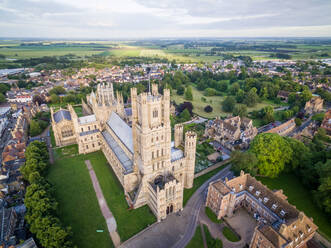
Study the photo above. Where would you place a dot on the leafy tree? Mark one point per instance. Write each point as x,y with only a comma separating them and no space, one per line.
184,116
235,87
2,98
298,122
245,161
185,105
34,128
272,153
251,97
55,98
228,104
240,96
188,93
210,92
57,90
240,109
180,90
208,109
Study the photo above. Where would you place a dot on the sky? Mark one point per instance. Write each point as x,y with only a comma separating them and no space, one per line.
107,19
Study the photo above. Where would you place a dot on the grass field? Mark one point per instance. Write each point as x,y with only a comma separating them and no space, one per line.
214,101
299,196
230,235
78,110
211,215
211,242
78,204
129,222
196,241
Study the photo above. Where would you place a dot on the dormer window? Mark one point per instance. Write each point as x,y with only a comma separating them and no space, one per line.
308,228
251,188
233,189
240,186
274,206
265,200
291,243
257,193
301,234
282,213
294,226
296,239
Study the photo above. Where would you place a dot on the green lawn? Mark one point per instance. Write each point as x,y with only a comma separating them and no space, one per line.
211,215
301,197
52,137
211,242
129,222
214,101
198,182
78,206
196,241
230,235
78,110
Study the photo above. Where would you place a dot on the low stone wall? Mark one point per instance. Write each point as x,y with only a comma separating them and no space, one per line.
213,167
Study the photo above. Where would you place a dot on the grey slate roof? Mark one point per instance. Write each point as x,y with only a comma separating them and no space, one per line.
128,111
87,119
176,153
125,161
122,130
62,114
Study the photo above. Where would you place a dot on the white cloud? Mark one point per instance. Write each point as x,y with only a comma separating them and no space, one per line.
171,18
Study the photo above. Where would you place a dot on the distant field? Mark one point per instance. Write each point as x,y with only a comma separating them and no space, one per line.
214,101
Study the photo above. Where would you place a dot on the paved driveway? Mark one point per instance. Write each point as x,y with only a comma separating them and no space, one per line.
175,231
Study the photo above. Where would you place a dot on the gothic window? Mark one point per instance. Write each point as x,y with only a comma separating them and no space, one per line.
152,140
152,155
95,126
66,131
157,153
93,144
155,113
89,128
173,168
86,146
157,138
82,130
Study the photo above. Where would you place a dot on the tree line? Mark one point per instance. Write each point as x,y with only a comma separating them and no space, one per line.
41,205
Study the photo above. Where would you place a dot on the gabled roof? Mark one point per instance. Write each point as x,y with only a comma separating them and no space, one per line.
122,130
61,115
87,119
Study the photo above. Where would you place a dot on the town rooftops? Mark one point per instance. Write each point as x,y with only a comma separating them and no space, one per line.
121,130
61,115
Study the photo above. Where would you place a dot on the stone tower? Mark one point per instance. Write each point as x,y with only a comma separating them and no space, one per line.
120,105
178,134
190,149
151,135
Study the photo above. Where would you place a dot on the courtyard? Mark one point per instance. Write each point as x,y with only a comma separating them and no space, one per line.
78,205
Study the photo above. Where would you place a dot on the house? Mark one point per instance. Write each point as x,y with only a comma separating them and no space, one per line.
280,224
8,221
231,130
283,95
314,105
326,123
284,128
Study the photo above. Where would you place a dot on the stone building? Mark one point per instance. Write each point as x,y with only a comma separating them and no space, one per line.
314,105
152,169
326,123
231,130
284,128
280,224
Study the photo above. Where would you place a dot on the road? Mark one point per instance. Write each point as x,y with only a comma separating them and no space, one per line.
305,124
177,229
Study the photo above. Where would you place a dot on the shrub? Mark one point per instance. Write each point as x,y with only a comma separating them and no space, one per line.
208,109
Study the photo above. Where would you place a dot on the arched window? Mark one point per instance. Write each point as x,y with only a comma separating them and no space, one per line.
155,113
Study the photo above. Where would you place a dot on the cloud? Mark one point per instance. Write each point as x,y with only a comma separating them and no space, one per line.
163,18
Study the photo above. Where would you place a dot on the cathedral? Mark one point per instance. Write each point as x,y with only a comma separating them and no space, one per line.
152,169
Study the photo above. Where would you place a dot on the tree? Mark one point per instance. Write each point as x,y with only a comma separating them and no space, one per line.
298,122
34,128
188,93
235,87
184,116
251,97
272,153
245,161
228,104
210,92
240,110
208,109
57,90
185,105
2,98
55,98
180,90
